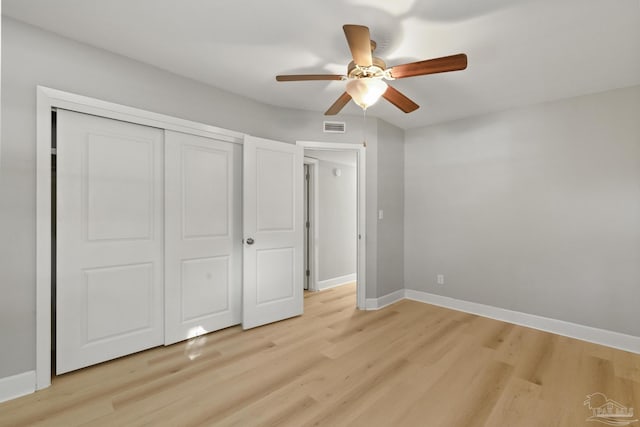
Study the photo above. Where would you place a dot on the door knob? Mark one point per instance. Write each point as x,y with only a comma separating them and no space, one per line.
250,241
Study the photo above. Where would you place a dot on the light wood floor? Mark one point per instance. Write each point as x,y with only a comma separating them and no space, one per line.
409,364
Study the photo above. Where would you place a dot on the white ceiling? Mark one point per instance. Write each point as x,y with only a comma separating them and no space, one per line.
520,51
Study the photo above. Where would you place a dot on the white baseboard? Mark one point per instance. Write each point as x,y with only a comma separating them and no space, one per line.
560,327
336,281
385,300
17,385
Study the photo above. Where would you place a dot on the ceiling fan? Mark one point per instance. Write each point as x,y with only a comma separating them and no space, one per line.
365,74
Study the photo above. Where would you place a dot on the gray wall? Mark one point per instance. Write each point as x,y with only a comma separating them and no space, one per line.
33,57
390,191
535,210
338,201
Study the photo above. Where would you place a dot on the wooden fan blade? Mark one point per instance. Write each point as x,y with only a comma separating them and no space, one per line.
396,97
430,66
305,77
338,105
359,42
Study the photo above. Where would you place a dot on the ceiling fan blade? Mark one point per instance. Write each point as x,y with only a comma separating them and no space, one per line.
430,66
338,105
359,42
396,97
305,77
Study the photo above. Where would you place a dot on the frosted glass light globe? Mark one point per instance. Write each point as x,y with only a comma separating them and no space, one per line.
366,91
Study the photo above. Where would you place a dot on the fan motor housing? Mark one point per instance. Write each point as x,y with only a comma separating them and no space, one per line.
377,68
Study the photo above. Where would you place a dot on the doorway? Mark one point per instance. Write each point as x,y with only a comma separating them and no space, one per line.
335,215
309,217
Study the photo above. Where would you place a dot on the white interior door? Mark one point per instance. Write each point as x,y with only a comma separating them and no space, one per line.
109,239
203,290
273,231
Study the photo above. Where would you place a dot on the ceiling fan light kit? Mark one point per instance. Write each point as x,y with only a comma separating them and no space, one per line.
366,91
366,72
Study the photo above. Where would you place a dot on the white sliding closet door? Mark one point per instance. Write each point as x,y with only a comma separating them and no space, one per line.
109,239
202,284
273,231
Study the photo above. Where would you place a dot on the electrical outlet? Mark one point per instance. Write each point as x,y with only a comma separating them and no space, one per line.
440,279
380,214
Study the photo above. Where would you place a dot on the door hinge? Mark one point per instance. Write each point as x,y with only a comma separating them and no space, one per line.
308,273
308,224
307,176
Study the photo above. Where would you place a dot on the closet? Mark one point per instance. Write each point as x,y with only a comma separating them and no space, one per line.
165,235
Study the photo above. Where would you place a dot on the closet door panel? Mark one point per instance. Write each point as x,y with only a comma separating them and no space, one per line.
109,239
202,290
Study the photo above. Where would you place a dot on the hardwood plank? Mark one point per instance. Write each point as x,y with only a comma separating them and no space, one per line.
407,364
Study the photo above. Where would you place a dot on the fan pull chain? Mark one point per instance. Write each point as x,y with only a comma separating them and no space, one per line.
364,127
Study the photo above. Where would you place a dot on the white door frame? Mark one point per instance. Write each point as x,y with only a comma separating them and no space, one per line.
47,99
360,151
313,218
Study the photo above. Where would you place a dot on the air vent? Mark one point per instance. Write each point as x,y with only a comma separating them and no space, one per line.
334,127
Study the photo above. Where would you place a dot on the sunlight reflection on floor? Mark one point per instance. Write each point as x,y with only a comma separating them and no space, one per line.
197,340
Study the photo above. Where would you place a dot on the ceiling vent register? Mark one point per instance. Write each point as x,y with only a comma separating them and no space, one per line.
334,127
